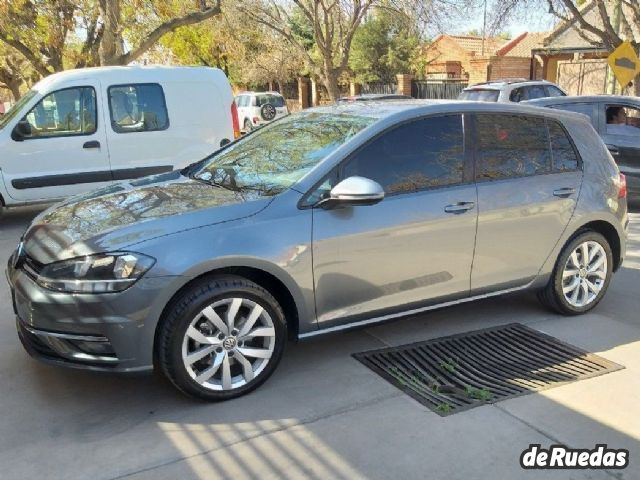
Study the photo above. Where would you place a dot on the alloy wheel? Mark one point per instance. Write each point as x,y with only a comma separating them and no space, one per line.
584,274
228,344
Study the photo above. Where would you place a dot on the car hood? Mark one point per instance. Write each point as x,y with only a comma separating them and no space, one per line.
120,215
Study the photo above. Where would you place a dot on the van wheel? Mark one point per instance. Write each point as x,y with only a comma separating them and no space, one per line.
222,338
581,275
248,126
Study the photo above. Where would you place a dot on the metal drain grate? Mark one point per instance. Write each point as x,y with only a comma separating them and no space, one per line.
455,373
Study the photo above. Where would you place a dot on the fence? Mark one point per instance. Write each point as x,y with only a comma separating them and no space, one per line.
290,90
387,88
437,89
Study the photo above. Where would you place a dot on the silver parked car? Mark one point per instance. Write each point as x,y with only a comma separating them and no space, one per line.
617,120
511,90
328,219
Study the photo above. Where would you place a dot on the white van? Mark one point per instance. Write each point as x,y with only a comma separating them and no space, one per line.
82,129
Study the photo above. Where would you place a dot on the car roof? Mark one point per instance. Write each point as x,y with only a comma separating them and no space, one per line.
499,84
134,73
407,109
251,92
582,99
375,96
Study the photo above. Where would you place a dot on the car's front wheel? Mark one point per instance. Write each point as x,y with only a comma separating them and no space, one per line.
581,275
222,338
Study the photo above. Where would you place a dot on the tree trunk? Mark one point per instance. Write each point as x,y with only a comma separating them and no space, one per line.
111,42
330,80
14,88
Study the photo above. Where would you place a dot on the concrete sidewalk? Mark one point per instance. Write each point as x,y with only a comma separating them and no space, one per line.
323,414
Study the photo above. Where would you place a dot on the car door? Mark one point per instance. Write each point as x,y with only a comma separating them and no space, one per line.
529,177
141,140
623,141
65,152
413,247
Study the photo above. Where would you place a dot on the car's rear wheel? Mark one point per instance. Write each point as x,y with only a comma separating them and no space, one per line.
581,275
222,338
248,126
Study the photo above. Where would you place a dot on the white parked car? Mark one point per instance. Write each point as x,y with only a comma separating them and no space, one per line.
82,129
259,108
513,90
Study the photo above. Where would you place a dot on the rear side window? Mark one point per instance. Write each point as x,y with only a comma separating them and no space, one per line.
584,108
275,100
138,108
422,154
480,95
511,146
565,158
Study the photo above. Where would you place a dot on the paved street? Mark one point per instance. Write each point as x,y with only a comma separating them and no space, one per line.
323,414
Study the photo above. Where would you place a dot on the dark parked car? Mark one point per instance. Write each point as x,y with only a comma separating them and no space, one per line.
328,219
617,121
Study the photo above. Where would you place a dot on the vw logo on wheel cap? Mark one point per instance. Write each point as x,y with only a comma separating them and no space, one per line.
229,343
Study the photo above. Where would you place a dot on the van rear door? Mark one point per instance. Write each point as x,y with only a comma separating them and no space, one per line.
62,150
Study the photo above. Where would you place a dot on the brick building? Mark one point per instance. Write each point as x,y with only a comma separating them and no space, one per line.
477,60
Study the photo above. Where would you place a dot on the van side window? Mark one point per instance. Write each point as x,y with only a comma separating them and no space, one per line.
565,158
511,146
138,108
421,154
71,111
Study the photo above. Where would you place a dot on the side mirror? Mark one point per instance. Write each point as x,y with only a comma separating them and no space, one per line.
21,130
353,191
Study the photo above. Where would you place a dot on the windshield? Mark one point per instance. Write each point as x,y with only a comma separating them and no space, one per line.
275,157
479,95
6,118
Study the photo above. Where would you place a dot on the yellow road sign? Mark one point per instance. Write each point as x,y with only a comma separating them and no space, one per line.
624,63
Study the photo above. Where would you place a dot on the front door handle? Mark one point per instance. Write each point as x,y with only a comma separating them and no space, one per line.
613,150
459,207
564,192
91,144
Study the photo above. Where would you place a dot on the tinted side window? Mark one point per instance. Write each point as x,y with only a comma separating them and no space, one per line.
584,108
138,108
511,146
517,95
422,154
71,111
565,158
535,91
554,91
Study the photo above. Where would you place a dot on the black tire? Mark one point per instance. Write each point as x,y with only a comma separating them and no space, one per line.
268,112
248,126
552,295
182,312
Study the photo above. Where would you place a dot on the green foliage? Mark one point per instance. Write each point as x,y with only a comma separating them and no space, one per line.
483,394
449,365
383,47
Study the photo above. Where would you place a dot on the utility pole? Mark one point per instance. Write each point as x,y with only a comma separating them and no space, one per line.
617,20
484,27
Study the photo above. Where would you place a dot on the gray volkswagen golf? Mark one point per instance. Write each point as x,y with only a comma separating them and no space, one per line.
328,219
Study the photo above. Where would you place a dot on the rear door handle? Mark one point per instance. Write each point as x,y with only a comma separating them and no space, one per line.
91,144
615,151
459,207
564,192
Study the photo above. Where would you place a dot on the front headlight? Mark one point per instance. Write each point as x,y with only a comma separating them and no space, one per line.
103,273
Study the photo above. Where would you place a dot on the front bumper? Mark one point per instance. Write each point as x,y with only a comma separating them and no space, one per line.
108,332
